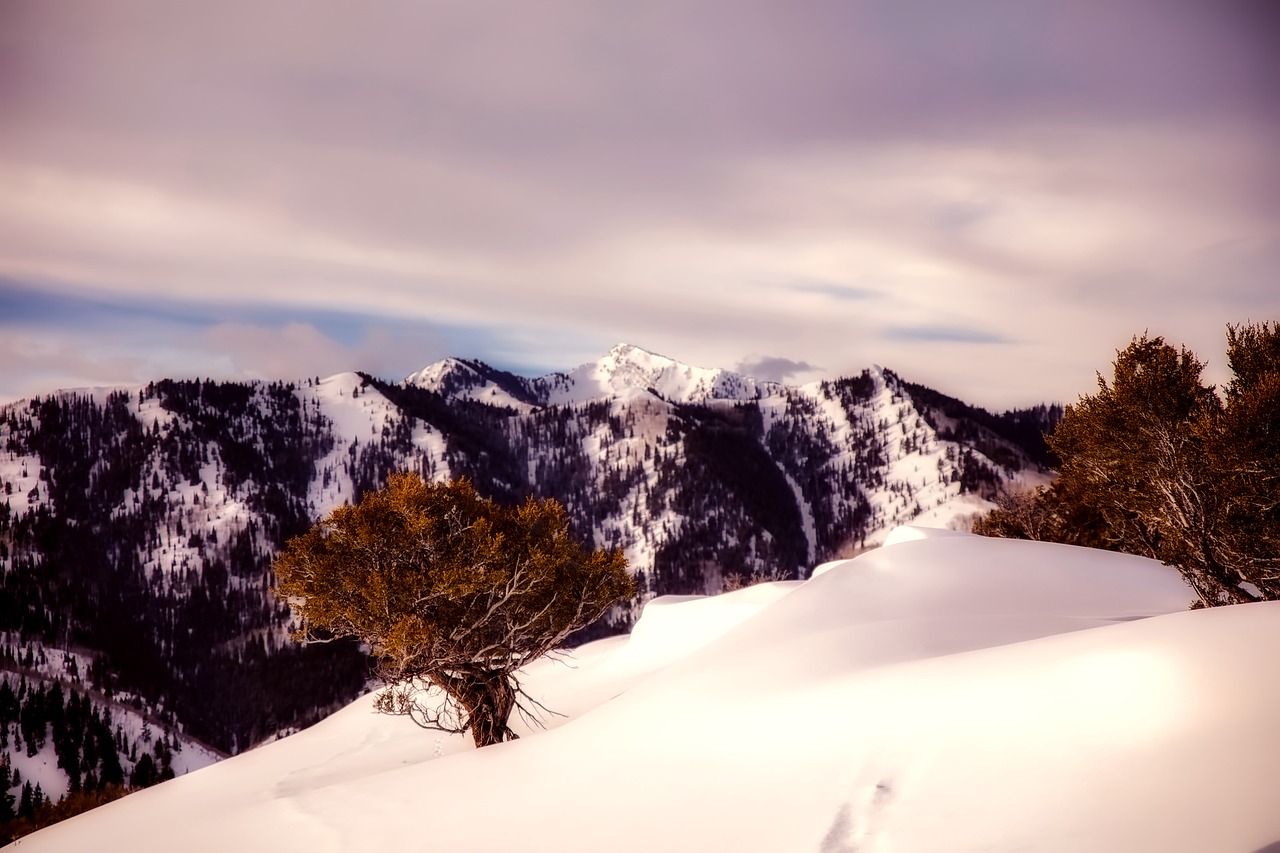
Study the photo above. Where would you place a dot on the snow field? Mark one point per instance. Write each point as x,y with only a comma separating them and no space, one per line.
944,692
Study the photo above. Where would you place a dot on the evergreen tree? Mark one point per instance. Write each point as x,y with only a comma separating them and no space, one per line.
26,806
112,771
144,774
1156,463
7,812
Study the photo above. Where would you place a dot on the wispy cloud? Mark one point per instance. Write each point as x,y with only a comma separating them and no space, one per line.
833,289
837,183
775,368
945,334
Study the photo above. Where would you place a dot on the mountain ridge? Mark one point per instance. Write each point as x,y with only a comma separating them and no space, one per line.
625,370
138,524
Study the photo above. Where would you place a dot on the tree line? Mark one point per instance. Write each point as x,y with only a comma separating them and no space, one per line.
100,758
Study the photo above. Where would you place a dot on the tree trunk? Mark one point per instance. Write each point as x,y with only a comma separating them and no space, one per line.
489,700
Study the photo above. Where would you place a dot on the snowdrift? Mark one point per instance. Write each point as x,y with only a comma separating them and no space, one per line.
944,692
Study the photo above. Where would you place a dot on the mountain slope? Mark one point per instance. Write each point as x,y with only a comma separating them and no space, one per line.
137,526
943,693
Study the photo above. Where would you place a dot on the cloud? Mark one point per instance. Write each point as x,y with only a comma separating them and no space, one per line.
40,362
499,126
944,334
52,339
837,181
832,289
775,368
264,352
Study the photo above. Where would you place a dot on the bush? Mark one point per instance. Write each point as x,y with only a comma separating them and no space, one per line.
451,591
1156,463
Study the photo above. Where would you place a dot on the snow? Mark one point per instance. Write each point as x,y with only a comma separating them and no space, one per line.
919,477
467,382
20,481
627,372
945,692
42,768
671,625
358,413
20,474
914,533
955,511
351,415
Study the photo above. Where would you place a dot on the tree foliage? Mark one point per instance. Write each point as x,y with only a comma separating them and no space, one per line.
452,592
1157,463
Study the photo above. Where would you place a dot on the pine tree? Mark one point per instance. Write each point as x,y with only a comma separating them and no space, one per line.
26,805
144,774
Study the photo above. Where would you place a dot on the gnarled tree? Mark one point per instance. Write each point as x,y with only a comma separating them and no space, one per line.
1156,463
453,593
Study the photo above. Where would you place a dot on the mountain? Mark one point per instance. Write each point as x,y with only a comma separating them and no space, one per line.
944,693
623,374
710,468
138,525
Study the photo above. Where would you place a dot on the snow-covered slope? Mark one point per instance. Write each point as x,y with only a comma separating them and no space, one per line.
180,493
459,378
855,456
627,370
941,693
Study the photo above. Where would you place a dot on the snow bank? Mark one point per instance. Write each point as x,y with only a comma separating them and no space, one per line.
945,693
916,532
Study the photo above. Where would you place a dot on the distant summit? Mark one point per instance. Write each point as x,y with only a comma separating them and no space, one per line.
627,369
625,372
466,379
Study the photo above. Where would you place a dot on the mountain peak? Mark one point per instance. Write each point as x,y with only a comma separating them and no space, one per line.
474,380
627,370
631,352
436,372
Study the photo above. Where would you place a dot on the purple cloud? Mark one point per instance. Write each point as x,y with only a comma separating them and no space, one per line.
572,172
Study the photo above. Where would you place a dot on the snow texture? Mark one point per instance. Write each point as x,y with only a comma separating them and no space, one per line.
945,692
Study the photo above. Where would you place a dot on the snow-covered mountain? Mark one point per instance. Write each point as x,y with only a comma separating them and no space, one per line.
624,373
946,692
137,525
628,371
903,449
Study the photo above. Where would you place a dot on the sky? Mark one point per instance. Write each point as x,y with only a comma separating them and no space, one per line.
990,198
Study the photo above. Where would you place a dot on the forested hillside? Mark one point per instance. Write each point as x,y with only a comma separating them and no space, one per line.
137,526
